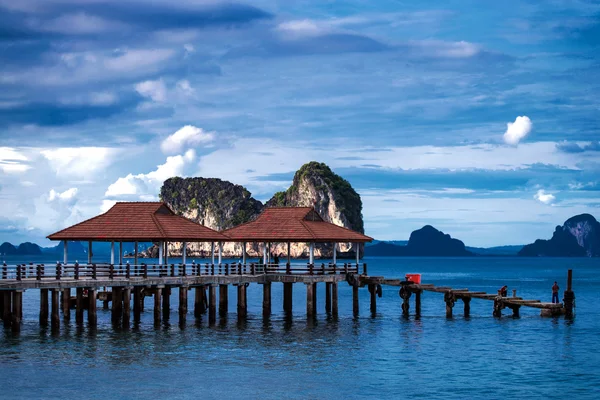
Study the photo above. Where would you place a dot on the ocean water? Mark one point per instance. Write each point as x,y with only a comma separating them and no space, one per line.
380,356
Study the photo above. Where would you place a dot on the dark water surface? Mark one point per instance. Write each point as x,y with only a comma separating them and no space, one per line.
381,356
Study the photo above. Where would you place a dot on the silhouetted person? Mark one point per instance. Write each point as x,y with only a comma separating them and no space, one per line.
504,291
555,292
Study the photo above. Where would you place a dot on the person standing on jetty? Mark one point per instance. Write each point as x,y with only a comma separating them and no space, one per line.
555,292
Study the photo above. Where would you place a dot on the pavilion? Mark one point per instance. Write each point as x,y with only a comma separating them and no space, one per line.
138,222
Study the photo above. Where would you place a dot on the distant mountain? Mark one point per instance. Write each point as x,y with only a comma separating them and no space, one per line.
7,249
578,237
426,241
26,248
496,251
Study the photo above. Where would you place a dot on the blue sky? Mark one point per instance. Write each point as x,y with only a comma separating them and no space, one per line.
480,118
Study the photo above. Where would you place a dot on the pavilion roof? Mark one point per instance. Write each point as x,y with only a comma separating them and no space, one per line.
138,221
292,224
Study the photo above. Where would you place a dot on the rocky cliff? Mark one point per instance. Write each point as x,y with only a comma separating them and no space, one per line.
425,242
578,237
220,205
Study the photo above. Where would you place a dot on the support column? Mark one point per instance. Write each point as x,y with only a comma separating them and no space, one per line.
79,305
199,302
126,294
112,252
310,298
266,299
166,252
212,304
137,304
166,302
569,295
334,253
135,253
66,300
184,253
90,254
355,307
289,250
212,252
449,299
117,305
243,253
120,252
55,307
65,251
7,311
311,255
373,293
160,253
242,306
265,254
44,307
157,313
287,297
327,297
17,310
467,306
223,300
220,252
183,304
418,303
334,299
92,315
315,298
357,254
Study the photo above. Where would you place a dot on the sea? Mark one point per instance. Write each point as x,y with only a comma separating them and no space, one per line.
381,356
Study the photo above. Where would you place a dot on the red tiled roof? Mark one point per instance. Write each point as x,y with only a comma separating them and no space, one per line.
138,221
292,224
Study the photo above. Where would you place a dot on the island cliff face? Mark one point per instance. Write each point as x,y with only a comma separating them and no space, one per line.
221,205
578,237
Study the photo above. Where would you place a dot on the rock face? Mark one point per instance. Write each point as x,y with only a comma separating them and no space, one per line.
220,205
578,237
426,242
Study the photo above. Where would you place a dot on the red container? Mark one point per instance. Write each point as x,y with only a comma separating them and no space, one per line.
414,278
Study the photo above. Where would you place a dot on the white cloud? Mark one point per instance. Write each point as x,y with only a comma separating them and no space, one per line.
544,197
137,59
304,27
516,131
12,161
68,196
106,205
79,161
155,90
149,184
438,48
185,87
187,136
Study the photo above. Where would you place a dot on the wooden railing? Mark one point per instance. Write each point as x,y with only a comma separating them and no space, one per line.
94,271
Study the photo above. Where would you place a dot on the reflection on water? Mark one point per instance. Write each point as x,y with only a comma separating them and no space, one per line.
290,356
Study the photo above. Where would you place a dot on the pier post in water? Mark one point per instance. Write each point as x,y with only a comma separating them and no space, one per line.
137,303
223,300
405,294
117,305
287,297
310,298
328,297
334,299
267,299
55,318
242,306
126,294
92,315
66,306
183,304
79,305
212,304
373,293
199,301
157,312
314,298
166,302
449,298
569,296
467,306
43,307
418,302
17,310
355,307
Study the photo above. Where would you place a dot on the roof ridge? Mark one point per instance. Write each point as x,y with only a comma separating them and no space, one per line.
158,225
307,228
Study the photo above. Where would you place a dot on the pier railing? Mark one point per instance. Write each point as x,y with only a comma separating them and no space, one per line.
94,271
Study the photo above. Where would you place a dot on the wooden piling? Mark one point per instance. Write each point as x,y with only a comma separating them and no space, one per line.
166,302
287,297
117,305
449,300
310,298
66,304
126,295
79,305
373,293
569,296
137,303
266,299
418,303
242,306
334,299
223,300
467,306
328,297
17,310
92,314
212,304
7,311
43,307
355,301
314,298
183,304
55,318
199,301
157,311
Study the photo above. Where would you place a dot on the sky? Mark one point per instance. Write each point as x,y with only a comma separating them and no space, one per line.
479,118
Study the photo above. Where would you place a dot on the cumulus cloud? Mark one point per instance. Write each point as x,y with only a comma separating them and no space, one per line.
189,135
66,197
516,131
79,161
155,90
544,197
149,184
573,147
